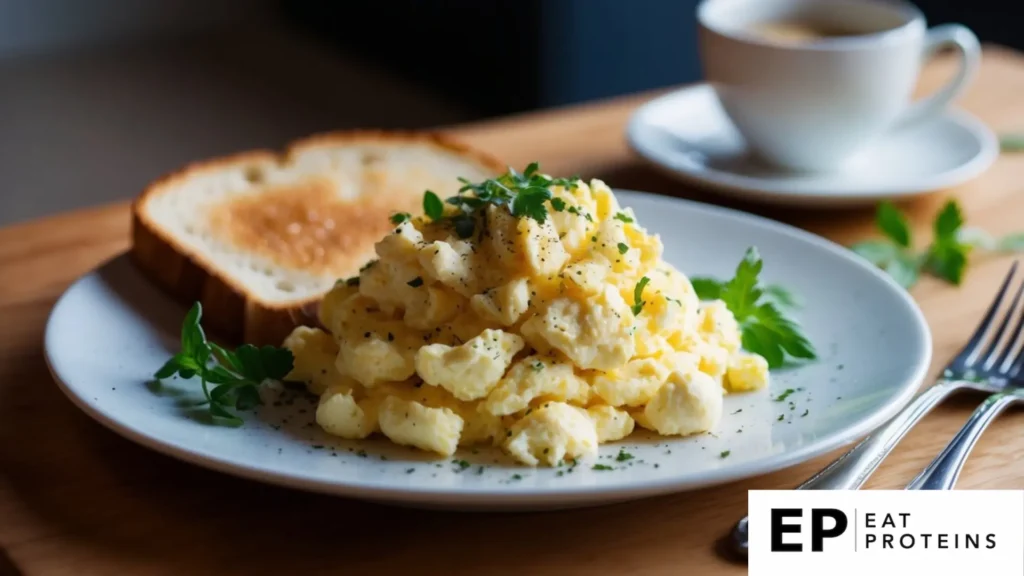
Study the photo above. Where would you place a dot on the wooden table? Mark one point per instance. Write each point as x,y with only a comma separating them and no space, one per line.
77,499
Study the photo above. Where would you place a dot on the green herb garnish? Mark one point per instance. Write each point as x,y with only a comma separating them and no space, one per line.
623,248
524,194
725,453
945,258
623,456
765,329
638,295
1011,142
785,394
601,467
399,217
578,212
236,375
622,216
432,206
558,204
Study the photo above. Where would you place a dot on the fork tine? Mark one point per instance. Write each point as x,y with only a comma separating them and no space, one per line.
988,359
1006,359
974,344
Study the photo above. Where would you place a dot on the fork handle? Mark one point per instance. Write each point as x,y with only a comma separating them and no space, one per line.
943,472
851,470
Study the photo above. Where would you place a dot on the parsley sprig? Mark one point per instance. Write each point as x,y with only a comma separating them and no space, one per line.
524,194
765,328
236,375
946,257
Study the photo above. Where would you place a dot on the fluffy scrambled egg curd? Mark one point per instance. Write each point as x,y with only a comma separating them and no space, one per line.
546,334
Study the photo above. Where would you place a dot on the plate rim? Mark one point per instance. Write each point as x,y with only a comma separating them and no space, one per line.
795,193
515,497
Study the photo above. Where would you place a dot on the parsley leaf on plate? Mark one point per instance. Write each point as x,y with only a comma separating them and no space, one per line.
235,374
764,327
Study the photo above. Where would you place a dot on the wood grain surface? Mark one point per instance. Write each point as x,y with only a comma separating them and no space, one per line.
77,499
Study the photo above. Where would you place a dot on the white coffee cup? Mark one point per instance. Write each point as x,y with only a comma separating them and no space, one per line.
811,105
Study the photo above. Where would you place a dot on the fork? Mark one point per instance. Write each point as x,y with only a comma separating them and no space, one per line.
1005,370
851,470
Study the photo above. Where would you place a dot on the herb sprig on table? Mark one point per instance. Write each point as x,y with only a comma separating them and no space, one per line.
765,328
946,257
236,374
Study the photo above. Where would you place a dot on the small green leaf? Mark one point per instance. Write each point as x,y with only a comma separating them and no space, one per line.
399,217
741,293
221,375
948,261
638,295
186,373
893,224
1011,243
759,340
252,364
170,368
432,206
277,362
878,252
223,394
226,357
623,248
949,220
706,288
531,169
558,204
248,398
530,203
1011,142
623,217
191,331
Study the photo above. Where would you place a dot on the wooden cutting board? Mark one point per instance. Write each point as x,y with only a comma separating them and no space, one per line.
77,499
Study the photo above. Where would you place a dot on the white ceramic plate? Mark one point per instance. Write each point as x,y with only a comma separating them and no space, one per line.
687,134
111,330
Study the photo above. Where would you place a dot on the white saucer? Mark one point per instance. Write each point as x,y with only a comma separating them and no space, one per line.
687,134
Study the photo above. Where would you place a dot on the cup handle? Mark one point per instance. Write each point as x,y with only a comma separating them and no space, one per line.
939,37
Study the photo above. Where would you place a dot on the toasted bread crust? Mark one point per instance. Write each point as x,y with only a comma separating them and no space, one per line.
230,310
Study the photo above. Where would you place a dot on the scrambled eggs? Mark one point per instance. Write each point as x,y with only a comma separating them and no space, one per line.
546,338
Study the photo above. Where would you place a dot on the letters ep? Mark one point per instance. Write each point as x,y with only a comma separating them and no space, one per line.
818,531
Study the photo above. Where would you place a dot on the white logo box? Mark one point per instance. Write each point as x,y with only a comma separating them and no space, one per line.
917,533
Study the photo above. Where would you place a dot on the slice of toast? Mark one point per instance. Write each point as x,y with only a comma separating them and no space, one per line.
259,237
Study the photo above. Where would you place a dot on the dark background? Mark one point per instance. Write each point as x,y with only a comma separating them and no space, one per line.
100,97
504,56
